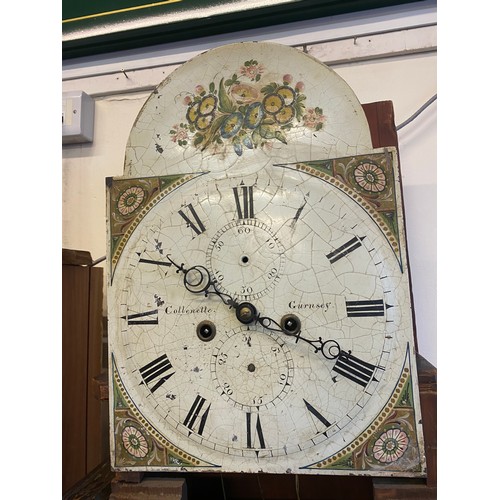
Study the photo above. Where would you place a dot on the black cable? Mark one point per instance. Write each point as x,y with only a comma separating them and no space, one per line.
414,115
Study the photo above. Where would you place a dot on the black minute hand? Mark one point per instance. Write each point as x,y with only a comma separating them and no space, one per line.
290,326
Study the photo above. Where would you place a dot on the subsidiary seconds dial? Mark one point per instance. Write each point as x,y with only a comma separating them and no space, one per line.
245,258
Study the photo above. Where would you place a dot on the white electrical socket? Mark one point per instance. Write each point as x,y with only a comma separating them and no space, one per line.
77,117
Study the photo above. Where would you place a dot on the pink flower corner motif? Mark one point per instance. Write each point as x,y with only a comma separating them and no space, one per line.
370,177
130,200
390,446
134,442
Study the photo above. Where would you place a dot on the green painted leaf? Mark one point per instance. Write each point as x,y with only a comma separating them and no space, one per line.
225,104
280,136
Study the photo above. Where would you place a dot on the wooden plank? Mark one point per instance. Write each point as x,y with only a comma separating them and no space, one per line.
101,386
387,490
75,297
95,440
76,257
164,488
380,116
427,379
95,486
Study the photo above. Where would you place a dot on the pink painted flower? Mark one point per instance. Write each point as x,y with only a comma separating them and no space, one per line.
252,70
287,79
390,446
199,89
243,93
178,133
299,86
314,118
187,100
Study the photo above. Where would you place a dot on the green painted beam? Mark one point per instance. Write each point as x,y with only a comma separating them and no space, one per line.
92,16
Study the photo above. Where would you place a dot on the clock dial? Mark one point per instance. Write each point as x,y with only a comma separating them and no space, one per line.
258,300
244,394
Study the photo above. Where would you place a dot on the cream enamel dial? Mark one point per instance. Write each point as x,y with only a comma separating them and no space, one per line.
253,396
258,294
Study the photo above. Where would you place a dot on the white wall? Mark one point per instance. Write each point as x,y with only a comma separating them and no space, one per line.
388,54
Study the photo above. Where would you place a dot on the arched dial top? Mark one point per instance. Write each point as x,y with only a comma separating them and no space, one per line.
236,106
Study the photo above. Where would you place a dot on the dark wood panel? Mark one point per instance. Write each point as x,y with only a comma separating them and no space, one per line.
95,441
380,116
75,302
76,257
84,438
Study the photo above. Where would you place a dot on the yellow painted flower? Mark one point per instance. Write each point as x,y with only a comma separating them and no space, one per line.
285,115
193,112
287,93
273,103
203,122
207,105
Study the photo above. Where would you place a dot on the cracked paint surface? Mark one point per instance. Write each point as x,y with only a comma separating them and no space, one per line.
306,223
240,124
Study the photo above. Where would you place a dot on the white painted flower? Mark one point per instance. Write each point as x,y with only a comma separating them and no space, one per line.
134,442
130,200
390,446
370,177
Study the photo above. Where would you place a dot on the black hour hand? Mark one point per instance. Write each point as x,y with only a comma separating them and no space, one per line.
197,279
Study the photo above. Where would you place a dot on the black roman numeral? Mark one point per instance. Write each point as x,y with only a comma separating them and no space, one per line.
157,262
251,432
365,308
197,226
137,318
354,369
344,249
158,371
194,413
244,207
317,414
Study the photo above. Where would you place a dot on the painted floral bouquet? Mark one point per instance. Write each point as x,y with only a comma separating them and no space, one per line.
240,112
